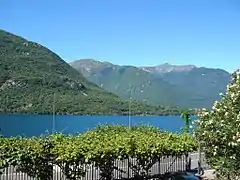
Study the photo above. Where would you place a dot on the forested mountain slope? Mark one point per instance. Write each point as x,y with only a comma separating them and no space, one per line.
33,79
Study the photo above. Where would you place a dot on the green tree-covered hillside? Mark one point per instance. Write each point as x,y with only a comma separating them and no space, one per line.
32,78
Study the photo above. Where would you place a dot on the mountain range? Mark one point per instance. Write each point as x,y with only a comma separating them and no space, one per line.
186,86
34,79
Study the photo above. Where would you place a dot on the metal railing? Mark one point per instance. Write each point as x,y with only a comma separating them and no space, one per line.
125,170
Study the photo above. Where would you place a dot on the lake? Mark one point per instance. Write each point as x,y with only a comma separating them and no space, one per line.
34,125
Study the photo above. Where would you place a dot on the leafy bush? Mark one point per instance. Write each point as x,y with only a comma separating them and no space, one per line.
100,146
30,155
219,131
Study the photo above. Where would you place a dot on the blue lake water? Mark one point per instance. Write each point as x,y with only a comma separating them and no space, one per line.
34,125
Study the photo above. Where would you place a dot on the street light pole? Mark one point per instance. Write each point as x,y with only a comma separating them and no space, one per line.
129,113
53,120
199,159
129,109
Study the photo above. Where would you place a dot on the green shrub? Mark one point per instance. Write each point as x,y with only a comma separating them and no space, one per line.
101,146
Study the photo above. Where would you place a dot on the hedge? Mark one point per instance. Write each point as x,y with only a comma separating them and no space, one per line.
101,146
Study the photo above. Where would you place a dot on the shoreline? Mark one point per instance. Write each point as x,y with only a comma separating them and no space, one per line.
57,114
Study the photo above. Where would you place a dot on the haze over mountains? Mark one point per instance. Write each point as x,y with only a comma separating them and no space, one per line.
186,86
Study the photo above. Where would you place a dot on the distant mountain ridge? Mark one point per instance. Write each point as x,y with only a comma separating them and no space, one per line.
166,67
187,85
124,80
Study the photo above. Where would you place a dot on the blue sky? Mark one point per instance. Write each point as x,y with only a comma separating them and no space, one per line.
134,32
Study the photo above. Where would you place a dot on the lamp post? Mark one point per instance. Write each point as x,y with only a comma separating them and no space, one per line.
185,115
53,120
129,107
199,159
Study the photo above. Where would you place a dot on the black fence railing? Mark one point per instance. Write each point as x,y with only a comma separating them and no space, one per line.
126,169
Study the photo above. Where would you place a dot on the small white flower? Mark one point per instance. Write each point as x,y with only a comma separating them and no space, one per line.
232,157
205,113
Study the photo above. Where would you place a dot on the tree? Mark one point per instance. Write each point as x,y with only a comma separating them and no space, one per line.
218,131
